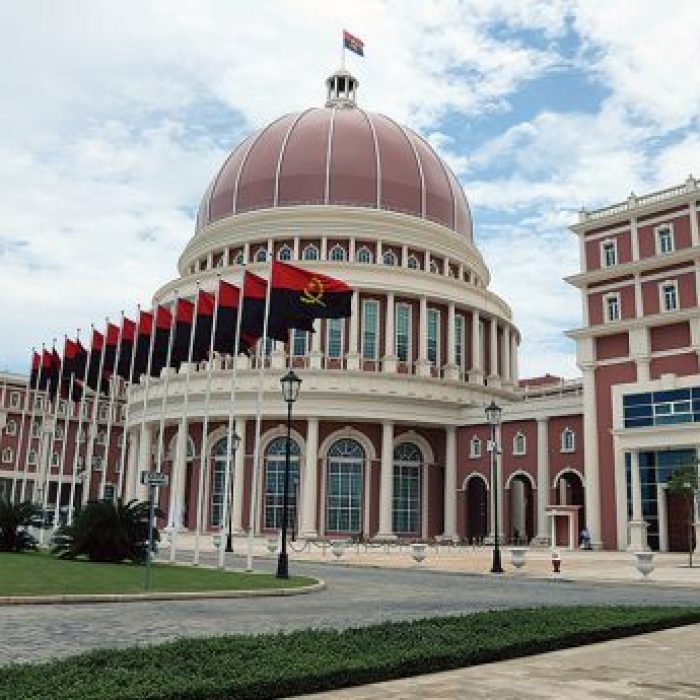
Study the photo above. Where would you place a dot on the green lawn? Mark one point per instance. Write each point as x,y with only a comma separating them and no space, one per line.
281,665
37,573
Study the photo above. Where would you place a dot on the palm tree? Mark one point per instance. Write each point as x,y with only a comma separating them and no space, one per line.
14,520
107,532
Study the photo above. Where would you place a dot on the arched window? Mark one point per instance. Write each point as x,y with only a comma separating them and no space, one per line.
240,258
363,255
413,263
8,455
519,444
406,508
310,252
275,458
389,258
568,440
11,427
475,447
284,253
344,490
261,255
219,482
337,253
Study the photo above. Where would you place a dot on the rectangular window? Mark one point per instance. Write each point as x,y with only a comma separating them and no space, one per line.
664,240
14,399
475,448
299,343
612,307
459,340
334,338
434,336
403,332
109,492
370,329
669,296
608,253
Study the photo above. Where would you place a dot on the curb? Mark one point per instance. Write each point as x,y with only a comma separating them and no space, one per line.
71,599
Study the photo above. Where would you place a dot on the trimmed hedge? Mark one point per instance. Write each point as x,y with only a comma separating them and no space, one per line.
271,666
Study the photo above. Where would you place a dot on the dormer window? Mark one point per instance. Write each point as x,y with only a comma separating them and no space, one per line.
413,263
363,255
608,253
664,239
310,252
337,253
389,258
284,253
261,255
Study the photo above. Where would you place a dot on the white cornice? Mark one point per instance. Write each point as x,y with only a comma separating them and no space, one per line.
630,323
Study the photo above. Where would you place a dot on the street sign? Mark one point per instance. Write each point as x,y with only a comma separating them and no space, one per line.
154,479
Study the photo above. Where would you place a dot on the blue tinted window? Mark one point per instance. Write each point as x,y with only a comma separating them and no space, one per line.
674,395
635,399
638,422
638,411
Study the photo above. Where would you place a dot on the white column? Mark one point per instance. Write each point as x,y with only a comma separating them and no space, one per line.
315,357
590,458
634,235
386,483
451,369
380,252
514,359
351,249
637,526
476,373
246,253
505,352
132,466
238,477
450,499
310,481
542,479
404,256
145,456
353,358
662,516
177,478
324,248
694,233
494,379
296,248
423,365
389,360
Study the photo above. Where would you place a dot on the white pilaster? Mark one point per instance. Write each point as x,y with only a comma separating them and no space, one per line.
353,358
386,482
423,364
450,496
476,373
310,481
505,352
296,248
351,249
452,371
315,357
635,238
662,514
514,373
324,247
590,457
542,480
246,253
694,233
389,363
404,256
494,379
637,526
238,477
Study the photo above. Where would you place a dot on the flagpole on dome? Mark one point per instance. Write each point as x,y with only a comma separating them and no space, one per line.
27,405
78,432
204,447
179,468
127,403
66,431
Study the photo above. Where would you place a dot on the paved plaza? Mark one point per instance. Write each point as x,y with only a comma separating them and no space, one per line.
356,595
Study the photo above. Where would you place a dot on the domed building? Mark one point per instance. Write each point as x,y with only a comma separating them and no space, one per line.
354,195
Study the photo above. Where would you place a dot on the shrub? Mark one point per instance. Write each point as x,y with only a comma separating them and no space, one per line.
107,532
14,520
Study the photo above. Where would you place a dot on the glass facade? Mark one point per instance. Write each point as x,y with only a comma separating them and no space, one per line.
433,336
275,460
403,331
661,408
299,343
335,337
459,340
370,329
344,492
406,506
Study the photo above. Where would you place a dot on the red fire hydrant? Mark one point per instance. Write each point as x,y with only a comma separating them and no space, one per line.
556,562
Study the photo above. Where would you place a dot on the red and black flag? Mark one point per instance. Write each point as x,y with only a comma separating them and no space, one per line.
110,355
95,359
203,326
143,345
161,340
74,358
184,318
253,320
228,305
34,375
54,376
126,348
297,297
45,370
353,43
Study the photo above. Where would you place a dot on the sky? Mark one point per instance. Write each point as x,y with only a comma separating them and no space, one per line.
115,116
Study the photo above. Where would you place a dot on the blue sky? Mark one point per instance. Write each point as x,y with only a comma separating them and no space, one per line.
116,115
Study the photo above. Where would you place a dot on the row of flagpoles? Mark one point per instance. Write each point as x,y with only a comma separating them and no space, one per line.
227,320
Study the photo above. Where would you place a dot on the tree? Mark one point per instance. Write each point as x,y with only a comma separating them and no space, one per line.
14,520
686,482
107,532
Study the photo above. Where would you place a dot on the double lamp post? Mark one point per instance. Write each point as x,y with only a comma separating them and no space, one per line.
493,416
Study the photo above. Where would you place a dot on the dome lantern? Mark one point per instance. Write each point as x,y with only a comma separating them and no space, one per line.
341,89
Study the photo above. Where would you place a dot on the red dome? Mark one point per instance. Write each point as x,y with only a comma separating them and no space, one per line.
337,156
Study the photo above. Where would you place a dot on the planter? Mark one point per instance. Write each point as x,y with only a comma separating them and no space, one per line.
644,562
517,556
338,548
272,544
419,551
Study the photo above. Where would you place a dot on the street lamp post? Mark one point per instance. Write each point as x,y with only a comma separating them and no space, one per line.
290,390
493,415
235,442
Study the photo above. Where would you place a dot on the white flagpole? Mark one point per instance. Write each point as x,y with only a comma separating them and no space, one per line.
204,451
93,419
52,440
258,426
175,519
32,402
110,410
79,429
125,428
228,476
64,446
20,438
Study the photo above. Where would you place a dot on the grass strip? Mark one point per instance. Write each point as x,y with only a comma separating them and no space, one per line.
37,573
271,666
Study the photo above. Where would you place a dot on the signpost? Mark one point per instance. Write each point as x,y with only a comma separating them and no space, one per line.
154,480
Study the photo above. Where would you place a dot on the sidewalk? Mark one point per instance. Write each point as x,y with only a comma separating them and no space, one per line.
671,569
657,665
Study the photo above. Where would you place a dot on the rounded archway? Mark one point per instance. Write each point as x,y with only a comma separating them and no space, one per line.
477,509
521,509
568,487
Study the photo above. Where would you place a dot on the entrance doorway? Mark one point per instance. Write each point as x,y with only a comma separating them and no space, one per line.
477,509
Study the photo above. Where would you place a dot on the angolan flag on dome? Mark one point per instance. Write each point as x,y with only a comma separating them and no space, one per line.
353,43
297,297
